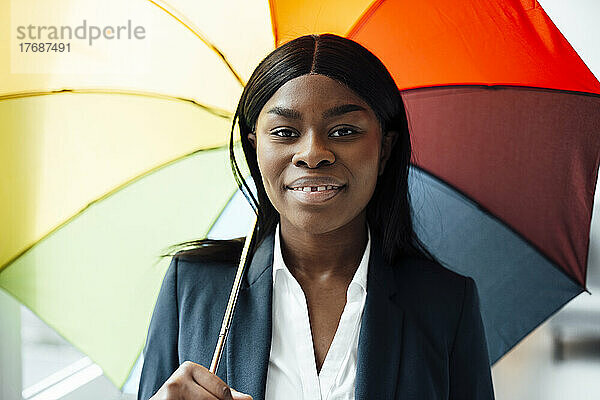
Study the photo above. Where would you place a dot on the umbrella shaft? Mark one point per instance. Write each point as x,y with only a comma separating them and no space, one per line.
228,317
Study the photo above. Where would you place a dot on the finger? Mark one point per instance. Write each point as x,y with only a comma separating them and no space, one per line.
198,392
184,387
209,381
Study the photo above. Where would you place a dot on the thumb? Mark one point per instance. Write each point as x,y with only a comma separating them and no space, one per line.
239,395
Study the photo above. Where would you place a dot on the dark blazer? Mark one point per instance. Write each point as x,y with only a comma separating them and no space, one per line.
421,333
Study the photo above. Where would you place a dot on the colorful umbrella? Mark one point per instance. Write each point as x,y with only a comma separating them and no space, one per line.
116,150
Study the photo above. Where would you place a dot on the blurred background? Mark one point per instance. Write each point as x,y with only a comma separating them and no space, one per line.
558,360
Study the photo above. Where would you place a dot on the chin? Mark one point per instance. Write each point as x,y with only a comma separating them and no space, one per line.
316,223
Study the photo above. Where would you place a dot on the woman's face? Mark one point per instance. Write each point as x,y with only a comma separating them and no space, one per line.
320,150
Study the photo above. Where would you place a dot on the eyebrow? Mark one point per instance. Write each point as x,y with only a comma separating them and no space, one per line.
332,112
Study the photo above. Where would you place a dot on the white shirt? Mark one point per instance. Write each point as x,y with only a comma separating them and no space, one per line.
292,371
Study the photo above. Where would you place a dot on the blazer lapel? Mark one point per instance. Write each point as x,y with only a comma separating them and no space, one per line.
249,339
379,344
379,347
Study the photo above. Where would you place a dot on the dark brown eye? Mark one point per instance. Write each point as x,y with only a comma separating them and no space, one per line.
284,133
342,132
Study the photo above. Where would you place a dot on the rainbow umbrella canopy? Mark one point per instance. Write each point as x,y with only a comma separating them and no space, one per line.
115,148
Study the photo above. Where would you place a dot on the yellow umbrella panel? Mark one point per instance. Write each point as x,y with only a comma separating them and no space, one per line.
95,277
112,152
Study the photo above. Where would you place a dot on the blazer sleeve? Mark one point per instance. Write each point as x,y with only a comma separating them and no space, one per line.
161,357
470,374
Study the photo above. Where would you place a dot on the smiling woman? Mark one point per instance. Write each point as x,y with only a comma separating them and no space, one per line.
319,148
341,300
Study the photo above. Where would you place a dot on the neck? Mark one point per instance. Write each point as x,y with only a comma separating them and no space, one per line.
323,257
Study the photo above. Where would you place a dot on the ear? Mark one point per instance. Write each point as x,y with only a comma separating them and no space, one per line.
252,139
387,144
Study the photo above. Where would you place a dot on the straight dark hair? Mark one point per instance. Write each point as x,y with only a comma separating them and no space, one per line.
339,58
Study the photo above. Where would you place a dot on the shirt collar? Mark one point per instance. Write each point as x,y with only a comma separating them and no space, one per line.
359,278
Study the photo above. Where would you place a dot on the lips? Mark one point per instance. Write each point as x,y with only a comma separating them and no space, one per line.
315,182
313,190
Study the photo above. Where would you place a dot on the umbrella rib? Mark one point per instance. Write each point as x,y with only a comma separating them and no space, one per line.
274,22
179,17
213,110
498,87
496,218
105,196
366,15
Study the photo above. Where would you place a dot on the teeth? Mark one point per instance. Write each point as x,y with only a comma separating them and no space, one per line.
315,188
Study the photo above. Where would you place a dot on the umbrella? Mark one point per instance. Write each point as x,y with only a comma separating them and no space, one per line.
119,150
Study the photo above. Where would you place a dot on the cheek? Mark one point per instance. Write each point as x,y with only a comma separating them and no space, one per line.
367,162
269,164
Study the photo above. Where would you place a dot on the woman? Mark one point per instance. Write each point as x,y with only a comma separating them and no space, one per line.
340,299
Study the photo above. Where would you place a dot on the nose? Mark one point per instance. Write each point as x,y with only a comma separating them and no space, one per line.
313,152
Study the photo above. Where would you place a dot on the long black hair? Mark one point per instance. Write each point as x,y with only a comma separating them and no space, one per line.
339,58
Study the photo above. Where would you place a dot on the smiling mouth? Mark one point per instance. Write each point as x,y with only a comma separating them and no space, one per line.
315,194
315,188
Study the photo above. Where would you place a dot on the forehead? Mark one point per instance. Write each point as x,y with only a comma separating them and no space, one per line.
314,92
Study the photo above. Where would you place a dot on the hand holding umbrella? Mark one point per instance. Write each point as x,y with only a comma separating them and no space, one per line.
193,381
